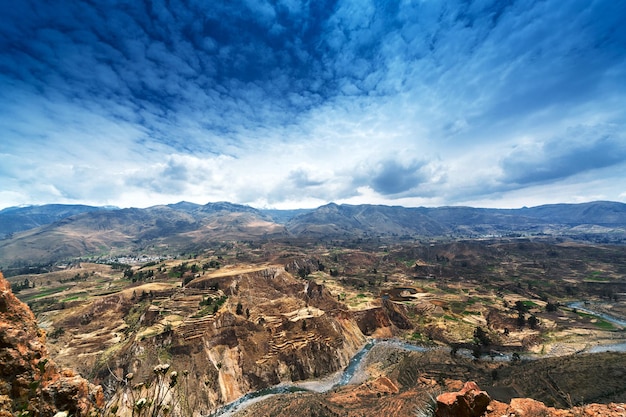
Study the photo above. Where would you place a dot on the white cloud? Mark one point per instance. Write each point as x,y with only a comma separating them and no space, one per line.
417,103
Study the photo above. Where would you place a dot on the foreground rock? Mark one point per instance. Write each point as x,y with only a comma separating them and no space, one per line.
526,407
472,402
29,379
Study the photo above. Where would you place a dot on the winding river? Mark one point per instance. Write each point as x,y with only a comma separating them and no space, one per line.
615,347
355,363
320,386
581,306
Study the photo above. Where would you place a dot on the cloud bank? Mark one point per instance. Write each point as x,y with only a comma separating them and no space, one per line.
295,104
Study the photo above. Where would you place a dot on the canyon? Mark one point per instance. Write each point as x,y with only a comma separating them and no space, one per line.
186,332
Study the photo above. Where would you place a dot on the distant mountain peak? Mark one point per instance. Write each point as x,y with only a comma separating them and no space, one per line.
226,206
55,232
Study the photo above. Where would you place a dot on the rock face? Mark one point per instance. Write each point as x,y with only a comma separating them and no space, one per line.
272,327
470,401
526,407
29,379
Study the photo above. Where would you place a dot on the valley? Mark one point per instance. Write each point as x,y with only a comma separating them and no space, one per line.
243,316
313,208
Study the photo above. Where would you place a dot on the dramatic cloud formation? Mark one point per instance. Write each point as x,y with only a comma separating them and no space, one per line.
290,103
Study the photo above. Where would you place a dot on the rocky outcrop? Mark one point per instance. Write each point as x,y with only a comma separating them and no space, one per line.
397,314
29,379
526,407
470,401
383,321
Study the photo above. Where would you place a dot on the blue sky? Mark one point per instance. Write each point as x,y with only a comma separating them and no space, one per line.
289,103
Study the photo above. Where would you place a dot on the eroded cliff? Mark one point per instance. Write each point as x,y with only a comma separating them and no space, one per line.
256,328
30,382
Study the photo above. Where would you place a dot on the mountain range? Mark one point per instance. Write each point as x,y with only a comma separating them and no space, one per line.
51,233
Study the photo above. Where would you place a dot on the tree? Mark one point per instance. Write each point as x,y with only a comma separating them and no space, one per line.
481,336
552,307
239,309
304,272
454,351
521,307
533,321
476,351
128,273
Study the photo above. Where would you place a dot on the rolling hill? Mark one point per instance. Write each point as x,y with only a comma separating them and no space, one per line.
54,233
18,219
370,220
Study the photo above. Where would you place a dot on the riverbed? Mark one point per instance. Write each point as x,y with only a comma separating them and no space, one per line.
581,306
618,321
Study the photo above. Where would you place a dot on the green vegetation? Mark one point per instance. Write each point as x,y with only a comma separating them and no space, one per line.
597,321
16,287
604,325
177,271
529,304
213,264
552,307
117,266
457,307
418,337
76,278
149,264
46,293
596,276
210,305
472,313
447,290
134,315
584,315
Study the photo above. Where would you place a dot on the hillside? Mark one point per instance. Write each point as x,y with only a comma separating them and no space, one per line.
245,317
187,227
18,219
601,218
160,229
231,331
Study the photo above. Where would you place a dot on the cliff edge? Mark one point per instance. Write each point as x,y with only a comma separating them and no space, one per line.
31,384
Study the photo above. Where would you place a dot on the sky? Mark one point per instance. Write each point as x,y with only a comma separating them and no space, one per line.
294,104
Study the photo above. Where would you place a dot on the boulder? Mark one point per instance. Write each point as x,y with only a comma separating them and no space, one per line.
527,407
470,401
